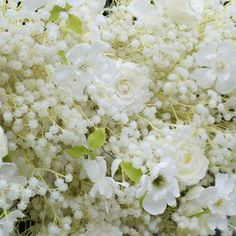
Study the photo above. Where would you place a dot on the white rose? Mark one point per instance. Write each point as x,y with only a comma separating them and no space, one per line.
131,86
3,144
127,84
190,160
186,12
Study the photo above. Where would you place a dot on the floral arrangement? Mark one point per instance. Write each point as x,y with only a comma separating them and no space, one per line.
117,118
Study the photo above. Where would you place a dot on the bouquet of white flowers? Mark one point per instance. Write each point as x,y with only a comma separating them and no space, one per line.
117,118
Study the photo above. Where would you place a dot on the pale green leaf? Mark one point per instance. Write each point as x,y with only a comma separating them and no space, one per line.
133,173
55,12
78,151
74,24
63,57
97,138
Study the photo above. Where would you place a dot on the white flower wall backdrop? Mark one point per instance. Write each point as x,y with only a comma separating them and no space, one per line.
117,119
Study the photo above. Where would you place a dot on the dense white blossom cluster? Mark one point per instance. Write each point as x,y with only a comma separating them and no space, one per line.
117,118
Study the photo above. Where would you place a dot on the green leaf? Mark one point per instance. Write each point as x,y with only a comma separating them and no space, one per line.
97,138
67,7
78,151
74,24
133,173
63,57
55,12
8,157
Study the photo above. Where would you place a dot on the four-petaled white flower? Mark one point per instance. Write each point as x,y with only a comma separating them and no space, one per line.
84,63
220,200
216,67
96,171
159,189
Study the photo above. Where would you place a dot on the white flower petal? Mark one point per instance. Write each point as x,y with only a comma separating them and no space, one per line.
21,180
3,144
204,77
114,166
7,169
186,12
92,169
206,57
230,205
102,166
153,207
78,53
170,199
140,8
226,82
63,74
224,183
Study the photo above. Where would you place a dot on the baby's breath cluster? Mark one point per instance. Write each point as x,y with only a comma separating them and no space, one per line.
117,117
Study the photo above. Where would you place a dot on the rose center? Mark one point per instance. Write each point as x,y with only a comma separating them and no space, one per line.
123,87
187,158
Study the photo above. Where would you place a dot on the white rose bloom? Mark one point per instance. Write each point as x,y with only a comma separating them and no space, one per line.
186,12
96,171
127,84
3,144
190,160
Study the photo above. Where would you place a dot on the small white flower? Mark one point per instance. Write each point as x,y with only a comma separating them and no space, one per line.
211,206
186,12
159,189
3,144
84,62
96,171
216,67
221,198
